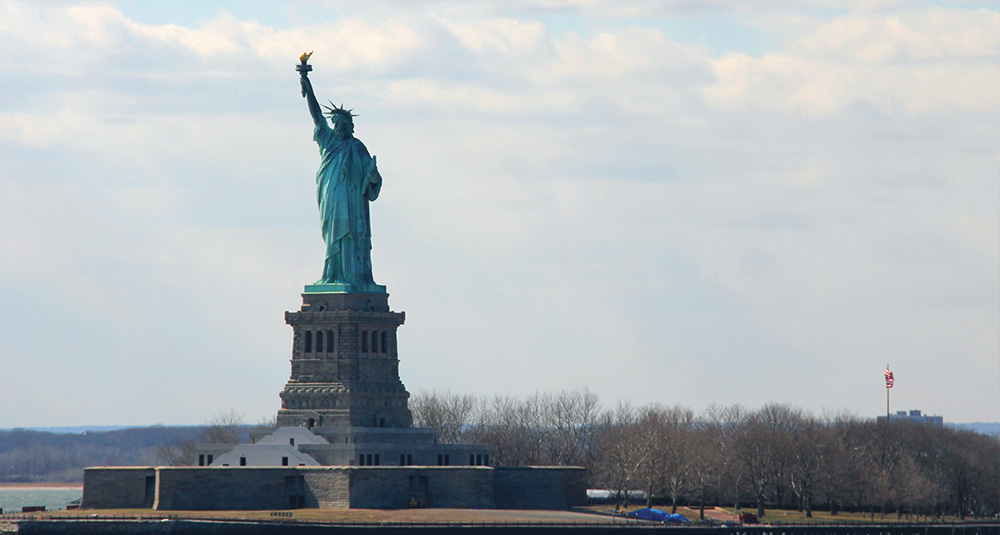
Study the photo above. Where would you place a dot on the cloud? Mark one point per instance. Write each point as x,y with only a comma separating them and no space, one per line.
83,39
501,36
919,61
909,36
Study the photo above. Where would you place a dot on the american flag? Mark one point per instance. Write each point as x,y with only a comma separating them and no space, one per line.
888,378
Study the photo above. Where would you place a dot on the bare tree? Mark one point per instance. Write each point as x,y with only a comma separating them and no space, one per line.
451,414
720,462
706,461
669,435
782,421
970,466
266,424
652,427
884,454
623,450
510,426
568,418
809,443
223,428
762,445
177,453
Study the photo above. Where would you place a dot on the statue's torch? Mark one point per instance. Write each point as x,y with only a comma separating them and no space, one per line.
303,68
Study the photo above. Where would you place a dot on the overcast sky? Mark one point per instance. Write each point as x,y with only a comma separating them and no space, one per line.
683,202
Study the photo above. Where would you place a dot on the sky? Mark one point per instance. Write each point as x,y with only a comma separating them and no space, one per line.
693,203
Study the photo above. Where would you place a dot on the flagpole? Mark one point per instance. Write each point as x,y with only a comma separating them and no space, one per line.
888,384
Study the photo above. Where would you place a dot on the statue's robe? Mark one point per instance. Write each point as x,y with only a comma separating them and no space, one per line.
346,182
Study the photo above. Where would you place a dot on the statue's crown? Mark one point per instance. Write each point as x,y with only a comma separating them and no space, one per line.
333,109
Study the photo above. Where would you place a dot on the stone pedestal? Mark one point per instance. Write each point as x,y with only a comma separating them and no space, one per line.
345,364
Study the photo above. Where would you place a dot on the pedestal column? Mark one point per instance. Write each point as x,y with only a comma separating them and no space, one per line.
345,365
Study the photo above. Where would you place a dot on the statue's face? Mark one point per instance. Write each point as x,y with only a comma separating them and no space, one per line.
343,124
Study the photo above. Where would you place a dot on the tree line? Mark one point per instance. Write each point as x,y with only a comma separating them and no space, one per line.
27,456
776,456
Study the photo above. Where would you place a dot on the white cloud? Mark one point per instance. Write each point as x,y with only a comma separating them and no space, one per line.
451,97
501,36
76,40
920,61
931,33
633,52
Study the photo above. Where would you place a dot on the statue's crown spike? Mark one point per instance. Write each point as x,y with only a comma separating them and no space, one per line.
334,109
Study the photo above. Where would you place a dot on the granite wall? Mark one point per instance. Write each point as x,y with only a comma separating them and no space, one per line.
253,488
131,487
221,488
446,486
539,487
327,488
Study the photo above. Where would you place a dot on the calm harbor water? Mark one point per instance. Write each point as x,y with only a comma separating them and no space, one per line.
12,499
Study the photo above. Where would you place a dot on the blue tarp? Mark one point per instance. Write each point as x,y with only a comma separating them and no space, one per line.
658,515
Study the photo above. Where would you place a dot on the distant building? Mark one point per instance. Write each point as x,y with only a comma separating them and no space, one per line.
914,416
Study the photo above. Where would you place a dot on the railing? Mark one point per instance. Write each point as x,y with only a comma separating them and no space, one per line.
286,517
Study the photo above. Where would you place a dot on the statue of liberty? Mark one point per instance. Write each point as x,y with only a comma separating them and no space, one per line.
347,180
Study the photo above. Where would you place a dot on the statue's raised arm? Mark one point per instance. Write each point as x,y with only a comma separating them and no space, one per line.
307,90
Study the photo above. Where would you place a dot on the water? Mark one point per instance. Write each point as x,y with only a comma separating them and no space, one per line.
12,499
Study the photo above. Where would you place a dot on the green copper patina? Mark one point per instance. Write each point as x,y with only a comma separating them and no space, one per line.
346,182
